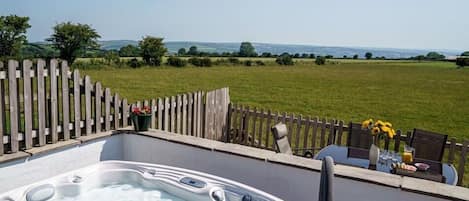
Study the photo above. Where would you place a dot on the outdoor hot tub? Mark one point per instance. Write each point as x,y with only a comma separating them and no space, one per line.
120,180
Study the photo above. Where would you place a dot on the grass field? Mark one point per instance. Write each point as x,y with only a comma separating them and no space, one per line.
430,95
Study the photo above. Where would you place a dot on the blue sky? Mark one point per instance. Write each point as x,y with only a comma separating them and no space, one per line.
419,24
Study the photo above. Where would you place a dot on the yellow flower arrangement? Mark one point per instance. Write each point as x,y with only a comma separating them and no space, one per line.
380,128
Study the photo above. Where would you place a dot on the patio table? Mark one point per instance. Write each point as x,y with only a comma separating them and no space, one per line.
358,157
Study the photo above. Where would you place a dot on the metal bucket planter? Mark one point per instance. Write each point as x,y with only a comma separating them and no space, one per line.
141,122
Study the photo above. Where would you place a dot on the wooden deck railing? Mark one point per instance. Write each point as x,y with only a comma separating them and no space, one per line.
251,127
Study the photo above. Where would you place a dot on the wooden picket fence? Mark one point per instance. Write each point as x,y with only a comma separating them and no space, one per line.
46,103
43,104
307,135
196,114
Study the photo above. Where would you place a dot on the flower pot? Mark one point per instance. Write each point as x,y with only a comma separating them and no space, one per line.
141,122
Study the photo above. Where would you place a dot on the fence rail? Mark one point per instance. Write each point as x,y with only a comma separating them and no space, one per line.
306,135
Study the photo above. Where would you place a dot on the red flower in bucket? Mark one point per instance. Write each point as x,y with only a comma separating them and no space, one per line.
141,118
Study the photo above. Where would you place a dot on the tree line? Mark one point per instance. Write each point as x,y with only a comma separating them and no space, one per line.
72,40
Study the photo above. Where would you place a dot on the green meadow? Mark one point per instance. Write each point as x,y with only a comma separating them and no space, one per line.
426,95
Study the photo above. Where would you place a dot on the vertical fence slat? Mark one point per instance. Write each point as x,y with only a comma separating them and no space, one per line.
97,115
246,126
199,114
340,132
88,128
267,129
190,122
77,104
28,113
117,111
153,112
276,120
228,124
41,104
397,140
54,119
314,134
166,114
323,133
331,138
2,111
65,101
107,109
462,162
239,136
290,126
306,135
173,114
452,148
261,123
254,126
298,133
125,113
160,113
178,114
184,114
12,86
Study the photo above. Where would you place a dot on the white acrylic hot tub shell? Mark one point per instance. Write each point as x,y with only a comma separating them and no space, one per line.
158,176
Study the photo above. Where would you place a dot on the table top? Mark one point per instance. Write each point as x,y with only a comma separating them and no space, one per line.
358,157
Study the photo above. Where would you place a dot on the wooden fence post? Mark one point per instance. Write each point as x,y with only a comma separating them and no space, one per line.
41,105
28,113
87,84
65,101
97,115
77,102
12,89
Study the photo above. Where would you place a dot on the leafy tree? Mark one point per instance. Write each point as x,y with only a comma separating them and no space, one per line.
320,61
304,55
466,53
420,57
73,39
153,50
329,56
266,54
226,54
355,56
462,61
297,55
129,51
345,56
434,56
193,51
368,55
247,50
284,59
312,56
134,63
176,61
12,34
182,51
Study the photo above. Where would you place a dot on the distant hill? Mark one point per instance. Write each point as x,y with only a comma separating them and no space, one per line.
174,46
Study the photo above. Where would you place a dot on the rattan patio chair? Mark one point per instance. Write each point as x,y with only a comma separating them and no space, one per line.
428,145
358,137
